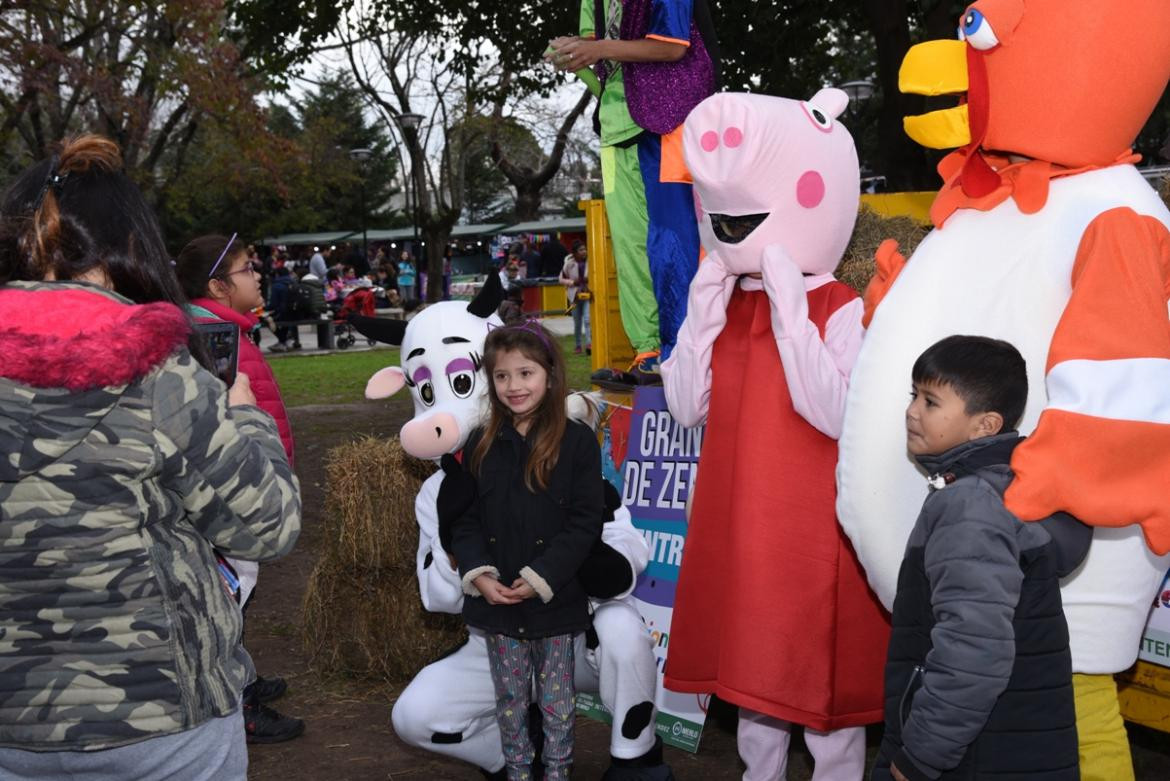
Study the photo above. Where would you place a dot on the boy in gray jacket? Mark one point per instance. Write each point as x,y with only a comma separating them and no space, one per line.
978,674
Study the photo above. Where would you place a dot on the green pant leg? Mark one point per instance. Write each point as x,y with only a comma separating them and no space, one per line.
625,205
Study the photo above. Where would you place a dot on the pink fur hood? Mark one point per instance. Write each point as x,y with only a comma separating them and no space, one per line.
80,337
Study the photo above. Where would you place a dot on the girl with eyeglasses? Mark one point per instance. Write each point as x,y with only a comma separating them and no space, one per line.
223,284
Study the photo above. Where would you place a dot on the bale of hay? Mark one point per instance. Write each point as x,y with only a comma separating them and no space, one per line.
362,614
857,266
371,624
369,504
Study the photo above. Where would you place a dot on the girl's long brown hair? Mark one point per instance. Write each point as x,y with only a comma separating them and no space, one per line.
548,420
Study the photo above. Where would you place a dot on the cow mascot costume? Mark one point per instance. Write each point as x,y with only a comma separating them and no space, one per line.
1045,236
449,707
772,611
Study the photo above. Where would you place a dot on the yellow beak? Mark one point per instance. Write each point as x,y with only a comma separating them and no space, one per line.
937,68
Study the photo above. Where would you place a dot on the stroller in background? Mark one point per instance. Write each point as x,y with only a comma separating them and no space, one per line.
359,301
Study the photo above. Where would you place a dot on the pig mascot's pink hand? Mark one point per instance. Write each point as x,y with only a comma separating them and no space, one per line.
686,375
784,283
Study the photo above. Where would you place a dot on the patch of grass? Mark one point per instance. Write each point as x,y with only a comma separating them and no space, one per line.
340,377
336,378
577,367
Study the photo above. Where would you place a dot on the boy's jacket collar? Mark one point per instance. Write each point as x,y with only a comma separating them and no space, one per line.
969,457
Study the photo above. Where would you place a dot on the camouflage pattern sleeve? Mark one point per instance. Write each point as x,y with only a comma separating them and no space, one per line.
227,464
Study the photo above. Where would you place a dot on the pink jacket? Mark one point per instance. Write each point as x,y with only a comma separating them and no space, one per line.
252,363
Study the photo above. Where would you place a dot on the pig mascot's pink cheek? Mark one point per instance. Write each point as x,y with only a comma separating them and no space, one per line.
810,189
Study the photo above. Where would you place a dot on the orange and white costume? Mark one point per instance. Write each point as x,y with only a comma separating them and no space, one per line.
1063,250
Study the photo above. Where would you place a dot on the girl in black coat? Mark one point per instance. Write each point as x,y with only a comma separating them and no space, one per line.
537,514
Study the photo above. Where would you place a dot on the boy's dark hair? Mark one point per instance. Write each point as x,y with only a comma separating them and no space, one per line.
989,375
578,244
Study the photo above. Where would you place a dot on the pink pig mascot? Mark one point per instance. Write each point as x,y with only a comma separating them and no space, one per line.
772,611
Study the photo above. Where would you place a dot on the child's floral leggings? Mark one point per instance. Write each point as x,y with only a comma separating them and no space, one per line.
515,664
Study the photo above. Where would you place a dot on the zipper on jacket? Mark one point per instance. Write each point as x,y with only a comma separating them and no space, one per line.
908,694
186,694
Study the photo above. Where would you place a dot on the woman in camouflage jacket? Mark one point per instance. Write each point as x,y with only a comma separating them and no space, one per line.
122,463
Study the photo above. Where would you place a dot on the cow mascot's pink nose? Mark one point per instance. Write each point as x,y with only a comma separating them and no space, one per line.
431,436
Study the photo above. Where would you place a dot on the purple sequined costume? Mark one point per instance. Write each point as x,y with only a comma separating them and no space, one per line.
661,94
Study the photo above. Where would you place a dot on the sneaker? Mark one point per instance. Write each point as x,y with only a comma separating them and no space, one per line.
645,368
577,350
263,724
645,363
266,689
296,346
279,347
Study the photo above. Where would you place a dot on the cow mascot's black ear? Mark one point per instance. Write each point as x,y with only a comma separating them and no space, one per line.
489,297
381,329
605,572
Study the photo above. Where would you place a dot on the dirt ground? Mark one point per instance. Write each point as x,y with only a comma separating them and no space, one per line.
348,736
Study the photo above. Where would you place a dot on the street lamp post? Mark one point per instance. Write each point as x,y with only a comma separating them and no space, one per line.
362,156
858,91
410,121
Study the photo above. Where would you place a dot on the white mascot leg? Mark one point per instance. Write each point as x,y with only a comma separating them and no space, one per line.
449,708
838,755
763,745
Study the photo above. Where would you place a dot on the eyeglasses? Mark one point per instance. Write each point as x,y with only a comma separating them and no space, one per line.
253,268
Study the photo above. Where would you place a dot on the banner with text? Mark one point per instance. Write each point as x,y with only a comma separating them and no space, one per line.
1156,640
661,459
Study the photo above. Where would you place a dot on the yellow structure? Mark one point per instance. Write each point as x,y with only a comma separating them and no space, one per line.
552,300
611,347
915,205
1144,692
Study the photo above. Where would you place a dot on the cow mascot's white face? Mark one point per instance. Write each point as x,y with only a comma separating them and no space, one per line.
442,350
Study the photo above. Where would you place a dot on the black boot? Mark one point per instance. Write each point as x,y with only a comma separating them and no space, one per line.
263,724
648,767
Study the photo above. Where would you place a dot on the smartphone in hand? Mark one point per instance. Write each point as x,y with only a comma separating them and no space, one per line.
223,343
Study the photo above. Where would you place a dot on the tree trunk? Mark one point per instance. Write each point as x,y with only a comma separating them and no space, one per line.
902,161
528,202
528,183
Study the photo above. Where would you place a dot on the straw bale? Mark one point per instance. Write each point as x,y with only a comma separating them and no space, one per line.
371,624
369,519
857,266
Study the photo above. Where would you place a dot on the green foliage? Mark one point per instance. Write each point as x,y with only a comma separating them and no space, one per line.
277,36
333,121
516,28
300,178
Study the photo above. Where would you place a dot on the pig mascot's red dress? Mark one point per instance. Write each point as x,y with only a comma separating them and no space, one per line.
772,610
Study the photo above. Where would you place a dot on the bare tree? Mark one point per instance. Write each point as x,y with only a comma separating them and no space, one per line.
529,181
407,74
143,74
